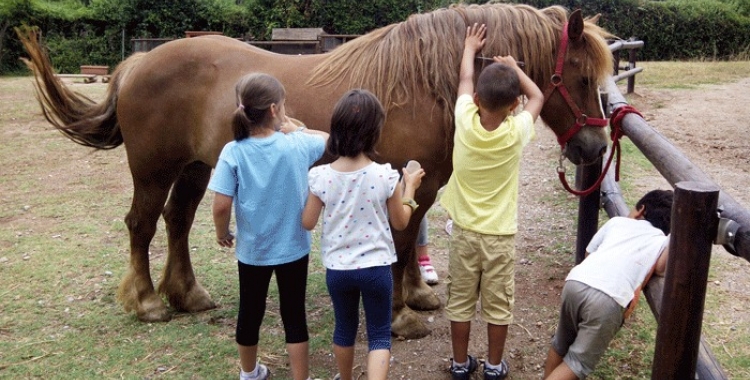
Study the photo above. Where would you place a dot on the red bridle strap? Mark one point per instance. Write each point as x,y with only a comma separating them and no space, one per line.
616,123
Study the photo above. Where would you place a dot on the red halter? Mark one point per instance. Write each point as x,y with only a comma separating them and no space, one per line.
556,83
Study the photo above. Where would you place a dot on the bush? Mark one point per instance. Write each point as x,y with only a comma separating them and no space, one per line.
92,31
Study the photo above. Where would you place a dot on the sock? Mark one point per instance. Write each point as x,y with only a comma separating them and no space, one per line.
249,375
464,365
498,367
502,367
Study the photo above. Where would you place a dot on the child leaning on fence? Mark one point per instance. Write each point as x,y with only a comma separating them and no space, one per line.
264,173
597,293
358,197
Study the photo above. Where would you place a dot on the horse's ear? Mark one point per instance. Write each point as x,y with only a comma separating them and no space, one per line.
575,25
595,19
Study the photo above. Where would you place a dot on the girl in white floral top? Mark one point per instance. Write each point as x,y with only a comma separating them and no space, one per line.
357,198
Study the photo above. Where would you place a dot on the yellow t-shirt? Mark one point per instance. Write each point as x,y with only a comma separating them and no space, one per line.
482,193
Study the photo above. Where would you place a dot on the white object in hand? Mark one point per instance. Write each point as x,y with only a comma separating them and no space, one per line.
412,166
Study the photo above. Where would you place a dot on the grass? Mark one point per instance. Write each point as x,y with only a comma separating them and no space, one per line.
690,75
64,248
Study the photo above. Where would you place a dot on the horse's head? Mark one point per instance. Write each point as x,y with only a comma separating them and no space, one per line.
573,107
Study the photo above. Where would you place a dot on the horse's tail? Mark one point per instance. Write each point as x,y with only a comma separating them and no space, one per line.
72,113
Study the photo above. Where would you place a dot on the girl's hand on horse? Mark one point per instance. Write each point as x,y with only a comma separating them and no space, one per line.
291,125
475,38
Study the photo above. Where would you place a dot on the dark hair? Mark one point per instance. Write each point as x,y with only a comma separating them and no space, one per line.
658,208
357,120
498,86
255,94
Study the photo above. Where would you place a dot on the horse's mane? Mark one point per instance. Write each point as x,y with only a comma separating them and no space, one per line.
424,52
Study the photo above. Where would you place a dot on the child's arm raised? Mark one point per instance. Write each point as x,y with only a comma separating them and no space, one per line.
472,44
534,96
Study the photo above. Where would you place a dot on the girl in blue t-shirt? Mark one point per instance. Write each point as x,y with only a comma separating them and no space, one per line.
359,197
263,172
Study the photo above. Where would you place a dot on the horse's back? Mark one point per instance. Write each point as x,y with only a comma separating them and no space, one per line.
181,96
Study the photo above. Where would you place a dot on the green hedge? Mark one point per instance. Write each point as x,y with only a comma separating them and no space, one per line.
674,29
91,32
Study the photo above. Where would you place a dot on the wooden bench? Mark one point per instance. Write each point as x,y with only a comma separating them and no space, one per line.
87,78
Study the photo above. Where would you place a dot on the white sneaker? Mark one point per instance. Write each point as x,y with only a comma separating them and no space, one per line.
428,274
263,374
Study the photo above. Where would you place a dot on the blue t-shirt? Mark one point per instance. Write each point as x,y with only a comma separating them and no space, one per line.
267,177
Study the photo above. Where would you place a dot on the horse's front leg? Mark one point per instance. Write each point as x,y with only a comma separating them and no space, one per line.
136,290
405,322
178,281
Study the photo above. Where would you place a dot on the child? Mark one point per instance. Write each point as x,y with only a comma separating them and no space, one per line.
481,199
426,270
597,291
263,172
359,197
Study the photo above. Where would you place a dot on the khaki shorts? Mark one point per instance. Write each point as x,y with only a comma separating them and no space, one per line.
480,267
589,320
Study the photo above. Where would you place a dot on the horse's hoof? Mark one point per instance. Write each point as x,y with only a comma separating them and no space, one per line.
195,300
409,325
200,305
422,298
156,312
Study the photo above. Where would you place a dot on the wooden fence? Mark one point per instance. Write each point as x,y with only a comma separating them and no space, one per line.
631,46
706,215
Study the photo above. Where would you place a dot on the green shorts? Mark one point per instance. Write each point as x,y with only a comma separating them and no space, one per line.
480,267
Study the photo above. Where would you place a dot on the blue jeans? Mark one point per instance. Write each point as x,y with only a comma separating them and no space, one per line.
375,285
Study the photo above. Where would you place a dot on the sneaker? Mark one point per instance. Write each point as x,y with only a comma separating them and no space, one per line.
463,373
429,275
496,374
263,373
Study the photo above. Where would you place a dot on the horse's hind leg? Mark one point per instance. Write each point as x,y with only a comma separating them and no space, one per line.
136,291
178,281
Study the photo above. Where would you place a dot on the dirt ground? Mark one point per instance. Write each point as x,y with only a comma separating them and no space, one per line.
706,124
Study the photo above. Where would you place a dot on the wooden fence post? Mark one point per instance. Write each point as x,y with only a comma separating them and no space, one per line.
588,207
631,66
694,226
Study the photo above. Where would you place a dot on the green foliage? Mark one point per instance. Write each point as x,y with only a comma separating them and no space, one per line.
672,29
96,30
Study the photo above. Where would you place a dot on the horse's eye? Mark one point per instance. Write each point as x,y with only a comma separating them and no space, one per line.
585,82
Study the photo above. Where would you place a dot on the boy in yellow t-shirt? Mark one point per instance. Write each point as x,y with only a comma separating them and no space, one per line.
481,198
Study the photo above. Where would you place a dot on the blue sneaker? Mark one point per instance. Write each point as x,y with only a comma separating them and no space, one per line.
496,374
464,373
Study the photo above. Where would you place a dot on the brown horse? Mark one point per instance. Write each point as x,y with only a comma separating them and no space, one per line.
172,106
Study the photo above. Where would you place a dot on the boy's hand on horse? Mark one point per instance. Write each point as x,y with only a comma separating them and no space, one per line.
475,38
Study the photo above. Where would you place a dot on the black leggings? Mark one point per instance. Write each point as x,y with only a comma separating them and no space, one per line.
291,279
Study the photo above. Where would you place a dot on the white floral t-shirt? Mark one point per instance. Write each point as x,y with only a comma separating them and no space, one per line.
356,232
